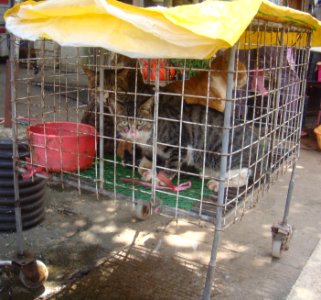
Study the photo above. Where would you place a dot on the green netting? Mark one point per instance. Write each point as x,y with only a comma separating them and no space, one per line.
186,199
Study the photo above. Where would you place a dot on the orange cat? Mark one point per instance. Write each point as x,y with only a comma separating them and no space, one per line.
198,84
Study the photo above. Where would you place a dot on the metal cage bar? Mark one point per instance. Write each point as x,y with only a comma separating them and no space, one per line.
223,165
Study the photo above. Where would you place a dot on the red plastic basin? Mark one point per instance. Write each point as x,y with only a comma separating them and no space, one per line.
62,146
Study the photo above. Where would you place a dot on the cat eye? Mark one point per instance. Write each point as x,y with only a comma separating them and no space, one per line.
140,122
123,123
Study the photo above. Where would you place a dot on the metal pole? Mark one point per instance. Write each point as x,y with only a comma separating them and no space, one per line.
101,119
7,99
223,165
15,154
276,106
289,195
155,131
292,179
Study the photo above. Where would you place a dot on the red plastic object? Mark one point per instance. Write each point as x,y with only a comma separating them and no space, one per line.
62,146
149,70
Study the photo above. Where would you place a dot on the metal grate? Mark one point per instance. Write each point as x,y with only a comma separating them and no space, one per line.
135,273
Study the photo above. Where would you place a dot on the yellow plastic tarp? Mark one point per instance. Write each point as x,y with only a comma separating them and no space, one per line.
188,31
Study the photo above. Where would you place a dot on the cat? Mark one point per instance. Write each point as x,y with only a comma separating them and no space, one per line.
197,85
139,129
133,107
118,82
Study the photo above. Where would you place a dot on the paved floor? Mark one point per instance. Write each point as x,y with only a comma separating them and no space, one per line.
170,263
308,284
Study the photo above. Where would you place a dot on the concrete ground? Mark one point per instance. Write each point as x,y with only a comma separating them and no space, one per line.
308,284
95,249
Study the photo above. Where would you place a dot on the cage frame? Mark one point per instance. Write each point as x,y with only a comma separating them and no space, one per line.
99,189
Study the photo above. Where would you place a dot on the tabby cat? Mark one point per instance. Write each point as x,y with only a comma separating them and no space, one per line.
136,125
133,106
118,83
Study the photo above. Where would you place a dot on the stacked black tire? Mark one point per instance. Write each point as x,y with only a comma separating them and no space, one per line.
32,192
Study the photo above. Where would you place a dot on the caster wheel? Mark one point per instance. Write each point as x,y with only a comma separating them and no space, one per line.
276,248
33,275
142,210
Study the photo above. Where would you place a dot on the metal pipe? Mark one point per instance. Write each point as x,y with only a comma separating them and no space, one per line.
101,120
7,98
292,179
223,165
155,132
276,105
289,195
4,263
15,154
303,77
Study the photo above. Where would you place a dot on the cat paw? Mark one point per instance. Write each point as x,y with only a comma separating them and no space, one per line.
147,175
213,185
241,179
246,173
144,166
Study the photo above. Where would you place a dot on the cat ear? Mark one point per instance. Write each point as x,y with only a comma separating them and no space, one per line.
114,107
123,73
121,60
92,78
124,61
111,104
148,105
220,62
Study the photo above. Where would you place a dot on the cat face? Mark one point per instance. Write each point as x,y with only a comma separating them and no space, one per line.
134,122
117,82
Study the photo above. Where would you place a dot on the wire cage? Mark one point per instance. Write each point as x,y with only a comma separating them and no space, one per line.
203,138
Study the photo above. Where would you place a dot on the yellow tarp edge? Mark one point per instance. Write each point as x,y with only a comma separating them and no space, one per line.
272,12
187,31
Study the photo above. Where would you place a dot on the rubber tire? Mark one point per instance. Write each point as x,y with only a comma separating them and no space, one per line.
142,210
276,248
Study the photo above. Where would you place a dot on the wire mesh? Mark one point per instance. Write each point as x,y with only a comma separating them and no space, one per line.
158,123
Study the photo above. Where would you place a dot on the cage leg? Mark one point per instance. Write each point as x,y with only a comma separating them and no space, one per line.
15,154
101,121
282,232
212,264
7,98
223,167
33,273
